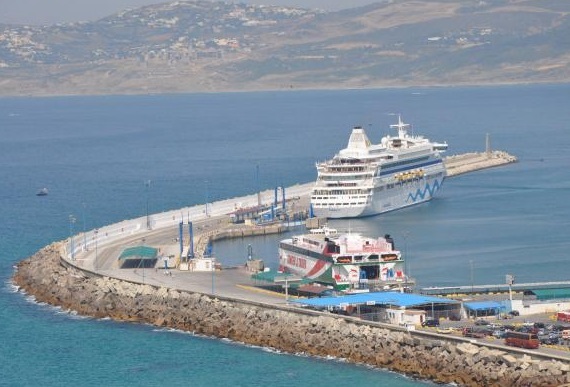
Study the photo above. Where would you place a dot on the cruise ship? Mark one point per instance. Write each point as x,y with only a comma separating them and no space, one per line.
367,179
343,261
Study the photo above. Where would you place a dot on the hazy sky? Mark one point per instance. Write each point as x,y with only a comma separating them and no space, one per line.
55,11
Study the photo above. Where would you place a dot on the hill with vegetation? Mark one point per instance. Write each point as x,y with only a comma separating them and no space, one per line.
197,46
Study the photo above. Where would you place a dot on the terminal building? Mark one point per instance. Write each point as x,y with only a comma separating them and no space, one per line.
495,300
404,309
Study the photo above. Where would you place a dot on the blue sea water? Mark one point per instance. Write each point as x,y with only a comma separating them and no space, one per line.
95,154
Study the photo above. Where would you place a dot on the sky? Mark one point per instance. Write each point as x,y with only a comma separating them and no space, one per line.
43,12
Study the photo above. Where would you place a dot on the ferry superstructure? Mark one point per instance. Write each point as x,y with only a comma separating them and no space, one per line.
367,179
343,261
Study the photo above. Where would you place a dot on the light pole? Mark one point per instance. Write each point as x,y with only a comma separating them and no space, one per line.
206,186
213,267
147,187
406,267
286,290
96,236
71,245
257,185
510,279
143,260
84,235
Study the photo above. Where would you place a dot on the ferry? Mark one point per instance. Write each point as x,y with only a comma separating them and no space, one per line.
344,261
367,179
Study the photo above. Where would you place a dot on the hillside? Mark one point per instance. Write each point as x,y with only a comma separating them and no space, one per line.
213,46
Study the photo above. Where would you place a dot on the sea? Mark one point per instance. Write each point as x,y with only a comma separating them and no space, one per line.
108,158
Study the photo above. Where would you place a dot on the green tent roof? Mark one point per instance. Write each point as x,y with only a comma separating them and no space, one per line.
139,252
276,277
550,294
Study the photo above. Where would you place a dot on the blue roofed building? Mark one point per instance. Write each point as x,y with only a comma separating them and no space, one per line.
389,307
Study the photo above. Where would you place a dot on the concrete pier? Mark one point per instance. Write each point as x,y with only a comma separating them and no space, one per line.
469,162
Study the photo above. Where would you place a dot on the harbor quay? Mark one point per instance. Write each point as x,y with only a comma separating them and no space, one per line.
84,274
96,249
470,162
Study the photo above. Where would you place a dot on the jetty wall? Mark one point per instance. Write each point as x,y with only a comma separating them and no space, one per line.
470,162
236,232
53,280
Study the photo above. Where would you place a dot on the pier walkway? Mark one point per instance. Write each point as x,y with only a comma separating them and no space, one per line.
469,162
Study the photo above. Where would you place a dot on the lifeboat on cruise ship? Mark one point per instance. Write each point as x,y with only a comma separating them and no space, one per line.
389,257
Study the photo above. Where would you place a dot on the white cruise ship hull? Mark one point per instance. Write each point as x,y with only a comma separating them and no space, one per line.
385,200
367,179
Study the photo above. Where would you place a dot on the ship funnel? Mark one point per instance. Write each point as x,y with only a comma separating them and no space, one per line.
390,241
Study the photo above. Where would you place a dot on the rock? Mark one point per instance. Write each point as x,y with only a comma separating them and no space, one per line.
510,360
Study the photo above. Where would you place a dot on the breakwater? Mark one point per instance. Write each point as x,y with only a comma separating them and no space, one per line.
470,162
52,279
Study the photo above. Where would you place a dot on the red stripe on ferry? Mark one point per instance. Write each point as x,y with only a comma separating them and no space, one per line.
318,266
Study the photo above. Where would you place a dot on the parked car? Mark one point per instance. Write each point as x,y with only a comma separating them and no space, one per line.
473,332
528,329
431,322
514,313
481,322
548,339
499,333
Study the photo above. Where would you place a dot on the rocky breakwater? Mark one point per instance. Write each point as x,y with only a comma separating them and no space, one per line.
50,280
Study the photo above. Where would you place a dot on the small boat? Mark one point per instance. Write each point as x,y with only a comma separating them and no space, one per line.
42,192
325,230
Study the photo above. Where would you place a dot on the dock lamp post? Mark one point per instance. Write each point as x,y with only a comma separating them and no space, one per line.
213,272
510,280
406,263
257,189
96,232
143,260
207,198
84,234
71,242
147,187
286,289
